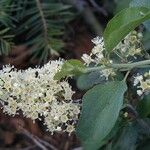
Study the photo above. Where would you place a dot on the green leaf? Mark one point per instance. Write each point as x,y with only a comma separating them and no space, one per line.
101,106
146,39
142,3
87,81
70,68
122,23
144,106
147,25
127,138
121,4
119,125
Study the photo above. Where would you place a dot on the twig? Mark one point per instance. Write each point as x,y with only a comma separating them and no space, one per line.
33,138
28,148
47,144
126,76
84,9
78,148
144,125
39,142
98,8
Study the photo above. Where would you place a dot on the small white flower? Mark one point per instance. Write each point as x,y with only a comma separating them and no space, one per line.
137,79
98,49
40,94
87,59
143,83
56,118
96,56
139,92
107,72
58,129
97,40
100,56
15,84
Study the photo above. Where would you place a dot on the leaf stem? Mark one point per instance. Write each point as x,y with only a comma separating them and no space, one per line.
131,65
127,66
126,76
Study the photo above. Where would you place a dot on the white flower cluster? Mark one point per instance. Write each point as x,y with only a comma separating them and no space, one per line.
37,94
130,46
142,83
97,57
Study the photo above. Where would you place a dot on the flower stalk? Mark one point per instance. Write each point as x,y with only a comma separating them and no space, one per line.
124,66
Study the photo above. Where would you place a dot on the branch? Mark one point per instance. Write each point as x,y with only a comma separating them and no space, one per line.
99,9
47,144
131,65
78,148
127,66
43,19
39,142
84,9
32,137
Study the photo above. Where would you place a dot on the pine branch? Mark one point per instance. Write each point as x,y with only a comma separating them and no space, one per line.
43,19
5,28
42,23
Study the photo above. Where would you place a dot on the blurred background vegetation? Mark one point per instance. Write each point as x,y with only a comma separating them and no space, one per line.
46,29
39,30
33,32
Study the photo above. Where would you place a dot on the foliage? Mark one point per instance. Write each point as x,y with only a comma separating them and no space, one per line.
88,80
143,3
115,109
5,25
105,103
5,41
40,24
143,107
70,68
97,112
124,22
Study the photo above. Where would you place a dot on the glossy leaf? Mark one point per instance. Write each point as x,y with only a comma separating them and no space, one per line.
122,23
101,106
142,3
121,4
